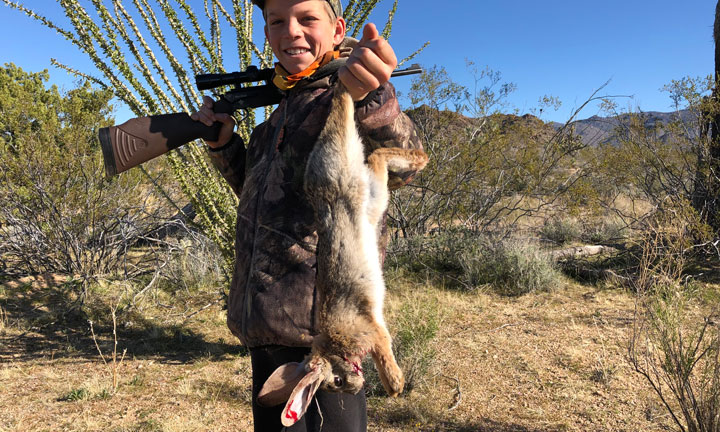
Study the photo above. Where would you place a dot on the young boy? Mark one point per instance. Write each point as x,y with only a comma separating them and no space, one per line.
272,295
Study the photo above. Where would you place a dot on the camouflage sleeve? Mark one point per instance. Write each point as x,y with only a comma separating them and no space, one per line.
382,123
230,161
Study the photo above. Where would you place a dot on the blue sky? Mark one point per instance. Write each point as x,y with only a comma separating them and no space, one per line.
566,49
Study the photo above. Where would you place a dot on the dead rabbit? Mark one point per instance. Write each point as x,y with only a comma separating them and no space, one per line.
349,197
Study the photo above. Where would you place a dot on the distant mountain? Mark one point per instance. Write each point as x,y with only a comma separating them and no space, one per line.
593,131
599,130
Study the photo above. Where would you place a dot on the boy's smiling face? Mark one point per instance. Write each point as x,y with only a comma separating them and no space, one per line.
301,31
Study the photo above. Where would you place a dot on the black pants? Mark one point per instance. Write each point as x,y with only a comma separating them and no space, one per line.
333,412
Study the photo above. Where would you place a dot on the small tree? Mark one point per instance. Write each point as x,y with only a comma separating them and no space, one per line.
486,169
654,164
59,214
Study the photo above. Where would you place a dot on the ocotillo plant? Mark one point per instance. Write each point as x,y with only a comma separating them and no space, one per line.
148,51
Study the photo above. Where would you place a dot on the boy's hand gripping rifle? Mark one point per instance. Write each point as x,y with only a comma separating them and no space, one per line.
140,139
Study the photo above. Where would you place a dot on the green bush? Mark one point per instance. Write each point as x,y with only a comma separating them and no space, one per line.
512,267
562,230
192,262
472,260
75,395
416,325
675,343
437,253
606,231
59,213
678,353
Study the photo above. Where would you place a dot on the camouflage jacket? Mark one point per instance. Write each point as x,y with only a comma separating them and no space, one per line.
272,293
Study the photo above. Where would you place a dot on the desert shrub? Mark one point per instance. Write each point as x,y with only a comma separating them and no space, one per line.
675,343
186,272
436,255
512,267
191,262
606,231
417,253
415,326
469,260
485,168
662,162
60,214
678,353
562,230
75,395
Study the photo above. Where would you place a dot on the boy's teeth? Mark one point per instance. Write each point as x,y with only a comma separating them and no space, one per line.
294,51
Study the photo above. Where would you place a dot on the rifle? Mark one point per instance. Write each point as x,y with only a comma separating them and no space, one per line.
140,139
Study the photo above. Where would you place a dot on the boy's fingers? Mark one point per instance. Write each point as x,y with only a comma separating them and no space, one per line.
195,116
378,54
227,129
378,45
207,121
370,32
207,100
205,114
359,77
225,118
368,67
208,118
356,88
383,50
371,63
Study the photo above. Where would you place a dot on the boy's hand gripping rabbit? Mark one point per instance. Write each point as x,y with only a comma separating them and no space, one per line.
349,197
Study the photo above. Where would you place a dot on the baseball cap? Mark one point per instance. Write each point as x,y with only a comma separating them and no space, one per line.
334,4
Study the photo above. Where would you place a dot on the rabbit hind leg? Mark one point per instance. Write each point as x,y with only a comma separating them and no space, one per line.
394,159
379,163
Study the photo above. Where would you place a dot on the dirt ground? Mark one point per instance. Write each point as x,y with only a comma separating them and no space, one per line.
541,362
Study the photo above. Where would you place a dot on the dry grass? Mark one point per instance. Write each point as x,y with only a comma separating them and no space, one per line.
3,320
540,362
548,361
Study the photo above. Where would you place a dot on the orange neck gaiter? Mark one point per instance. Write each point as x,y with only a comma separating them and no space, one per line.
284,81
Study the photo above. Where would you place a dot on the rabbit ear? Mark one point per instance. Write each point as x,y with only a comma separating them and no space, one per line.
280,384
301,396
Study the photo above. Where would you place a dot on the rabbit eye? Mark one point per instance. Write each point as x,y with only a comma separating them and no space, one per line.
339,381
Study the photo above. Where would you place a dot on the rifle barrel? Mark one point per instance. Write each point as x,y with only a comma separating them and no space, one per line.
413,69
